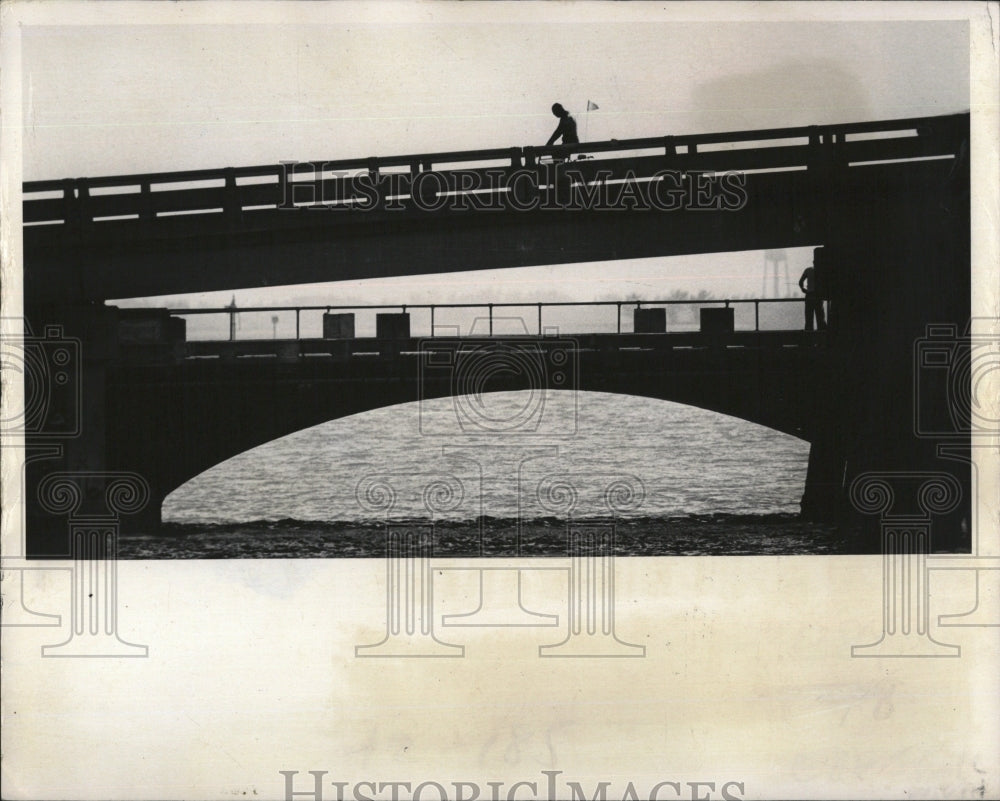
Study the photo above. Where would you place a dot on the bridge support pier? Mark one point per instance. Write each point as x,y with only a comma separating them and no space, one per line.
823,499
150,518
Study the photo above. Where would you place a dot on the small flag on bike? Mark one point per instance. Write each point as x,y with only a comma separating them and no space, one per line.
592,106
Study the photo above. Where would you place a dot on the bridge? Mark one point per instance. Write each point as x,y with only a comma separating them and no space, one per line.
888,201
304,222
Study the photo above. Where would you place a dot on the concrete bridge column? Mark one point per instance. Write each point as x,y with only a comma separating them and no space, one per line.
824,495
898,260
149,518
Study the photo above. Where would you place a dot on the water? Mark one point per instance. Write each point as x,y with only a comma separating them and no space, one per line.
500,476
683,460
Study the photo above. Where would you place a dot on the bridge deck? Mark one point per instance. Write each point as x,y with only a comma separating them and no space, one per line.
159,196
164,233
367,348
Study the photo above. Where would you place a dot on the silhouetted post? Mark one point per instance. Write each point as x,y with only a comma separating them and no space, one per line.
146,202
906,541
231,205
83,198
232,319
774,260
71,206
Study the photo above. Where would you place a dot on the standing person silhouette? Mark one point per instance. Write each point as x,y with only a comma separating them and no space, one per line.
566,128
810,286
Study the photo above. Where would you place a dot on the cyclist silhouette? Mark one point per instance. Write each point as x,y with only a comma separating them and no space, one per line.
566,128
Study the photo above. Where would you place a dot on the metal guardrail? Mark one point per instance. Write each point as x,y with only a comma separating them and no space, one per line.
147,196
368,348
233,311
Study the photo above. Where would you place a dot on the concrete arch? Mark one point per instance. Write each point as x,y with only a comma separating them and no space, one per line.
172,422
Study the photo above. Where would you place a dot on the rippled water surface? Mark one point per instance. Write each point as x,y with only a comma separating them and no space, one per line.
686,461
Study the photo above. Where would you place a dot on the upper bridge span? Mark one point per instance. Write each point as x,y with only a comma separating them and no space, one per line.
93,239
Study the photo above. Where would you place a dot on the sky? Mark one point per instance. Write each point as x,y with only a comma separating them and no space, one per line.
105,98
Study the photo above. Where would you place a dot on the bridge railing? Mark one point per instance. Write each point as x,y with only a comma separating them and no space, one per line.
491,319
233,191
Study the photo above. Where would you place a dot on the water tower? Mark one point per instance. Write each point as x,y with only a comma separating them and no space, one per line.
774,262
